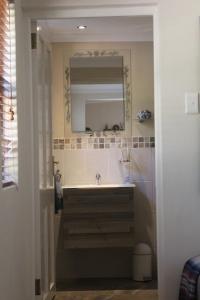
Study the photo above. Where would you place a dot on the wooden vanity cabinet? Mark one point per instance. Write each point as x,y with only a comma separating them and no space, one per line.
98,217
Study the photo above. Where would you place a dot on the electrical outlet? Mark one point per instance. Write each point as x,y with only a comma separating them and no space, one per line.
192,103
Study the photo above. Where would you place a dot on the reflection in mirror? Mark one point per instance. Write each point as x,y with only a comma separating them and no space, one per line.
97,93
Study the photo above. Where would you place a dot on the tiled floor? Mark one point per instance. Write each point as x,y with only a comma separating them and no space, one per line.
107,295
106,289
99,284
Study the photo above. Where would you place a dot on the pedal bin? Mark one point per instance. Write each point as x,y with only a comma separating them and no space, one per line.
142,262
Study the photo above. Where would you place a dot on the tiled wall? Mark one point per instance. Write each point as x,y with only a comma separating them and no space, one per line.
103,142
81,165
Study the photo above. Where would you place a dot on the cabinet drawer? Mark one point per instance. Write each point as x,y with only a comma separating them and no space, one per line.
99,241
97,227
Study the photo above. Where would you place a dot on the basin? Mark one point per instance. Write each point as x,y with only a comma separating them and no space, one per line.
94,186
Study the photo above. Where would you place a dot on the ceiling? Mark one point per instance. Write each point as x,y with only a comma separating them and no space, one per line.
106,29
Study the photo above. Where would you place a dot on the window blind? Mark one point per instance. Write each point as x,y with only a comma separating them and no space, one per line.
8,101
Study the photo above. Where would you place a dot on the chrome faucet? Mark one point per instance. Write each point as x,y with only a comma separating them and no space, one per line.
98,178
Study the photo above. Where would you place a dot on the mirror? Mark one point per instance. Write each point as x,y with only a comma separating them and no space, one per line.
97,93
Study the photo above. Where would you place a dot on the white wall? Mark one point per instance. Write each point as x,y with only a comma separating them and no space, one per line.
179,209
16,244
178,202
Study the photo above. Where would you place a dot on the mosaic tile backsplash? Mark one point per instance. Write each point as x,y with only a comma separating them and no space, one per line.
103,142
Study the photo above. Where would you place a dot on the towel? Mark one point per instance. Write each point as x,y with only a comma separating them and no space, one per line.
189,279
58,192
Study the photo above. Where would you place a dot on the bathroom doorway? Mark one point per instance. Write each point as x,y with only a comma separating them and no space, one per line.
75,152
131,39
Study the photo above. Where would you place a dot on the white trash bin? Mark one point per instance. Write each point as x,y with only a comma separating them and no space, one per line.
142,263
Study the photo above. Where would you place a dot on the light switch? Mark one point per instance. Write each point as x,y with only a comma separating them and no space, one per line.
192,103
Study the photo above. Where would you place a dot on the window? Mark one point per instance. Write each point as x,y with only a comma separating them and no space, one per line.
8,101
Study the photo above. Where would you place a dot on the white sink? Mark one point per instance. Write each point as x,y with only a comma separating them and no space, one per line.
93,186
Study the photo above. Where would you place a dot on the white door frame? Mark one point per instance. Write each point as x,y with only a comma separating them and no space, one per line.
57,12
43,191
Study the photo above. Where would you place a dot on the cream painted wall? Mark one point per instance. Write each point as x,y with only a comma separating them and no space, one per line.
16,210
142,87
141,72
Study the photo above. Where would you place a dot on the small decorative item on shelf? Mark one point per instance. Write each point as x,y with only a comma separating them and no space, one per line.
115,127
106,128
143,115
121,127
88,129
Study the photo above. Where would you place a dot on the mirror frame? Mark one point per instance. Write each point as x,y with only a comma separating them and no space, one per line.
127,87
